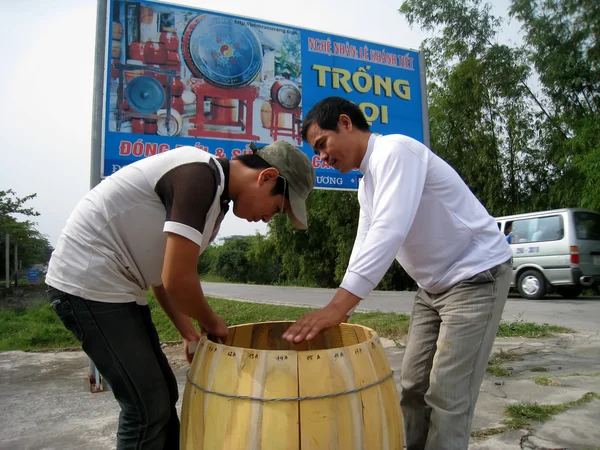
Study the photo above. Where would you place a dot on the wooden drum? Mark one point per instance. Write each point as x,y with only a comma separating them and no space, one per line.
224,111
257,391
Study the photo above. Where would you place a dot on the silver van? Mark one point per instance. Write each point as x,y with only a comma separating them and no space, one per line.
554,251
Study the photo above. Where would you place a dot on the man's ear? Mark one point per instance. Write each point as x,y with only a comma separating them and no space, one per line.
344,123
267,175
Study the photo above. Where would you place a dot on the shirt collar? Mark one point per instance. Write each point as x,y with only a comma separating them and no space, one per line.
364,165
225,195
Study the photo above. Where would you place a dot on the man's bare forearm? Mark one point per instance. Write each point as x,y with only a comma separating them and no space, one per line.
344,301
182,322
187,296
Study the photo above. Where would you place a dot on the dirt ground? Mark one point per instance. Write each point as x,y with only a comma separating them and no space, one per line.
175,354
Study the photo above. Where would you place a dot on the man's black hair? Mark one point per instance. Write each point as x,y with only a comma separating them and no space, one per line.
327,112
253,161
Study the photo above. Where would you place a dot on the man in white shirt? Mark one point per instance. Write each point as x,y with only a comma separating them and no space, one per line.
145,227
414,207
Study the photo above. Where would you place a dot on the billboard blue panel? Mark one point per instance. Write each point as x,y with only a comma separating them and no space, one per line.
180,76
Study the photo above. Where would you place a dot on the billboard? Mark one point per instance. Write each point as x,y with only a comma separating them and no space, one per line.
179,76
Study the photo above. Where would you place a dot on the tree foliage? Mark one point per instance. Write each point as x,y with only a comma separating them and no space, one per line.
33,247
11,204
232,261
518,149
316,257
563,45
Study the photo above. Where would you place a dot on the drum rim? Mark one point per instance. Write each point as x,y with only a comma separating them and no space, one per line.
288,85
374,337
151,82
186,44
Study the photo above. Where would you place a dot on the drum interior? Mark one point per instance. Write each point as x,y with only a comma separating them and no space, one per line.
268,336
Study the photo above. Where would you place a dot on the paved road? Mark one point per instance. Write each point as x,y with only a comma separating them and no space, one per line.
581,314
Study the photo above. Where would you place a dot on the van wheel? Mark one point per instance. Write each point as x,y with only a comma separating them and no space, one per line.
569,291
532,285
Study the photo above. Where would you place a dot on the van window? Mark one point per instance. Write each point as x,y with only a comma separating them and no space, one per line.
539,229
587,225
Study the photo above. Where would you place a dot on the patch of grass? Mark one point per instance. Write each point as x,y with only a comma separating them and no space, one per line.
545,381
233,312
530,330
236,313
498,371
503,356
542,381
539,369
500,357
33,328
294,283
388,325
37,327
212,278
487,432
517,423
575,374
586,398
522,414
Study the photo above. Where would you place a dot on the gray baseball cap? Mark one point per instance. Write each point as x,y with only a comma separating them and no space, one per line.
297,170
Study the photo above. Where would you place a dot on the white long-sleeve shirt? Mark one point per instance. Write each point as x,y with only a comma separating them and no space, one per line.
414,207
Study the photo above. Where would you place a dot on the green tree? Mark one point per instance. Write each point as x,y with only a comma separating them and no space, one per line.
232,261
32,246
563,42
481,109
11,204
518,150
208,260
264,261
319,256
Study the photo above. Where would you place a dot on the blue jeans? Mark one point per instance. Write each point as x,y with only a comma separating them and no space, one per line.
122,341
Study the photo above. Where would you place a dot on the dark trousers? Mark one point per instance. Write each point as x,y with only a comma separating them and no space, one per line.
122,341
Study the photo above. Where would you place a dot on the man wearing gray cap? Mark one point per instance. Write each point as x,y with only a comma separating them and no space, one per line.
146,226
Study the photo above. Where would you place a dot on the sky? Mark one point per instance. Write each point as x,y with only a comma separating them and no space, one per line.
47,77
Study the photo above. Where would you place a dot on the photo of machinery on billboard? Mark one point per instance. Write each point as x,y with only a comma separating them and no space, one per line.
179,76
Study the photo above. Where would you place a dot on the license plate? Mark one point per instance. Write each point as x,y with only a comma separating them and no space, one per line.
597,260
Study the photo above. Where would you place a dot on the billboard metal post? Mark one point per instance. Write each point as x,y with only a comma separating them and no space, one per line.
425,109
94,377
98,99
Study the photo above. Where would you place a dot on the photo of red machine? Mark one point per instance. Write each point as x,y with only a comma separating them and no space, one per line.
176,72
